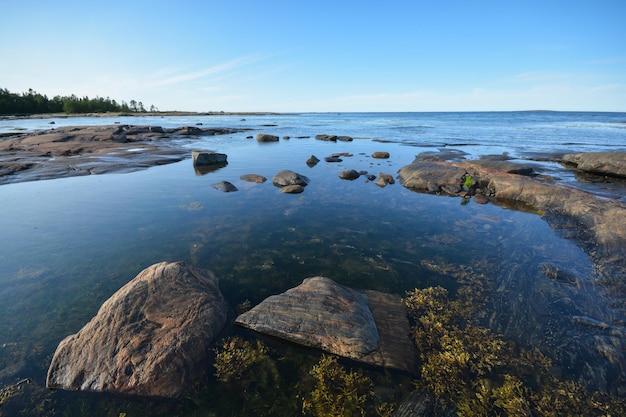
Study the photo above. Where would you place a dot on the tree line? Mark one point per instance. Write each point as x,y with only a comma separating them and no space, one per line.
32,102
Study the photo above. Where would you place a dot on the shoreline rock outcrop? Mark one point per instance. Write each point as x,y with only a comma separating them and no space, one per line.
150,338
86,150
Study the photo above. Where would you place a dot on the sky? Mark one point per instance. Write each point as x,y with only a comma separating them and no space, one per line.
321,56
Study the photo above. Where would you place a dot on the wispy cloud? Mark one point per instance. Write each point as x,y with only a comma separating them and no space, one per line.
608,61
169,77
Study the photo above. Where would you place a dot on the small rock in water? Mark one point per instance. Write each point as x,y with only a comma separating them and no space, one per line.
224,186
263,137
287,177
349,174
207,158
253,178
481,199
380,155
312,161
384,179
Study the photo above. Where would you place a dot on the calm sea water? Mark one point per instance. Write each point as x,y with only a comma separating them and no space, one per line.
69,244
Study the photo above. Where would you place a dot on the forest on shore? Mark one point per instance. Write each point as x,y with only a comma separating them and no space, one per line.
32,102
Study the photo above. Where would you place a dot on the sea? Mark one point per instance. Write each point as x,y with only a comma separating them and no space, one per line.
68,244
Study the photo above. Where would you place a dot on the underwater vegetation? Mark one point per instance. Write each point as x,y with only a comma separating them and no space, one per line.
479,373
337,392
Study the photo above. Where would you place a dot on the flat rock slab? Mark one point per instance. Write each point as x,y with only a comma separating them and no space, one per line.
149,339
601,163
370,327
86,150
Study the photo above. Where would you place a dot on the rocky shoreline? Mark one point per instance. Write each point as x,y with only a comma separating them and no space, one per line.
77,151
131,341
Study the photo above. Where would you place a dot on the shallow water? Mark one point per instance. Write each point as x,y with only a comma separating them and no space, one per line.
69,244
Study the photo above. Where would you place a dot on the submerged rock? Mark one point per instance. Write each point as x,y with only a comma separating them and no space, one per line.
368,326
149,339
292,189
225,186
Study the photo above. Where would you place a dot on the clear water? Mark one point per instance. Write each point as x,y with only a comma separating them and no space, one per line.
69,244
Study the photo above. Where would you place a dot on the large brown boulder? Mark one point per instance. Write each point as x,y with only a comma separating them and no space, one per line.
369,326
149,339
602,163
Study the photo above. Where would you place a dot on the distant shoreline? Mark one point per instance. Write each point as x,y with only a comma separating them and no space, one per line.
124,114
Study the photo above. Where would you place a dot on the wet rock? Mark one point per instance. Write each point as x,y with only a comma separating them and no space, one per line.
253,178
380,155
333,159
433,188
287,177
349,174
384,179
286,137
481,199
345,138
327,138
87,150
423,175
292,189
369,326
312,161
504,163
224,186
263,137
149,339
208,158
601,163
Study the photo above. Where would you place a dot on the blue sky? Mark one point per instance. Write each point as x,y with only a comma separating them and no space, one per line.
295,56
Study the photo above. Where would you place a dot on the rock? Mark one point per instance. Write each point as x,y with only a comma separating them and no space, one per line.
189,131
253,178
312,161
327,138
384,179
504,163
292,189
287,177
349,174
481,199
286,137
208,158
602,220
225,186
149,339
345,138
263,137
369,326
380,155
426,175
333,159
600,163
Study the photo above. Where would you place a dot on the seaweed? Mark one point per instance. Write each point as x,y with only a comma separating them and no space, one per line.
481,374
337,392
